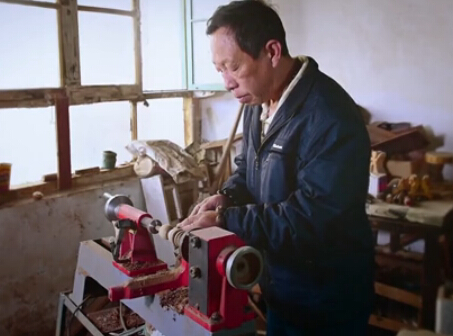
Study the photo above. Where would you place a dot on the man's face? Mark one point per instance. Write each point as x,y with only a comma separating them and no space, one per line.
249,79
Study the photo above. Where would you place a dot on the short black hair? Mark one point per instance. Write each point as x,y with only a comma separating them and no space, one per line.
252,22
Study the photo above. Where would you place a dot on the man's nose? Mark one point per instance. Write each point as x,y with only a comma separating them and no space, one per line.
230,83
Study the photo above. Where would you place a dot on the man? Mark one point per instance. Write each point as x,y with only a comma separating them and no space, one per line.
299,191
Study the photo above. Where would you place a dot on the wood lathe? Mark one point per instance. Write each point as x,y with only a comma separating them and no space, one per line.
214,265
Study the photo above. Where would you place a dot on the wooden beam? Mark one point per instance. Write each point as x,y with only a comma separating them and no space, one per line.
167,94
188,121
107,93
43,97
69,43
63,142
25,191
134,124
137,45
398,294
32,3
192,122
28,97
389,324
106,10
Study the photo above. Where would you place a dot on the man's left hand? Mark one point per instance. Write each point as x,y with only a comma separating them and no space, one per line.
199,221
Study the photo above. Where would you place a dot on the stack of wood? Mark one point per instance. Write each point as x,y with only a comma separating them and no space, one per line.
404,147
402,159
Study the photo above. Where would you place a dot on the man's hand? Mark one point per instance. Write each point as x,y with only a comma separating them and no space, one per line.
201,220
210,203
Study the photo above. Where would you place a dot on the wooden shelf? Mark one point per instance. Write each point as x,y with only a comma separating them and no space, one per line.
388,324
399,295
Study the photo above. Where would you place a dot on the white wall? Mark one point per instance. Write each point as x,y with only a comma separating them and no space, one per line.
39,241
218,116
393,57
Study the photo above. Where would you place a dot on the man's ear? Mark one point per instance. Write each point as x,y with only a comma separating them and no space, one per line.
273,50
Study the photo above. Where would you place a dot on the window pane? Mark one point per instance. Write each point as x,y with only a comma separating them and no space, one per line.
96,128
204,71
162,120
162,44
29,143
106,49
116,4
29,57
202,9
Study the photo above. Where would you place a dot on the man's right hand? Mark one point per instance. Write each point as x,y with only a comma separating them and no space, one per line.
210,203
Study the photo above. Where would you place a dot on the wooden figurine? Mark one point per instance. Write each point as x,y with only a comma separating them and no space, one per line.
377,164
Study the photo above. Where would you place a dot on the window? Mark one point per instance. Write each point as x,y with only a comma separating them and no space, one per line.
96,128
162,45
29,143
106,49
29,56
201,74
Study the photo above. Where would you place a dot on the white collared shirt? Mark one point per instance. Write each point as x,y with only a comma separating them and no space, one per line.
266,121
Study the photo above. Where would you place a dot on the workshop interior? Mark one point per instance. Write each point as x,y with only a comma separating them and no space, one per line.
115,125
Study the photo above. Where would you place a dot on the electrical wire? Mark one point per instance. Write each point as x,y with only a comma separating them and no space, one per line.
75,311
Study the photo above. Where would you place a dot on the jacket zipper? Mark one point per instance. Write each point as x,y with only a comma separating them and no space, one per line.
257,153
266,137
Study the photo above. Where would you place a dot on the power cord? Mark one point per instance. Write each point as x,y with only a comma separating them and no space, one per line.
75,311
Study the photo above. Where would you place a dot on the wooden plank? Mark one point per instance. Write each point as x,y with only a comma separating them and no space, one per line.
28,97
431,280
63,142
25,191
33,3
69,43
44,97
106,10
103,93
388,324
134,123
192,122
119,173
392,262
400,254
397,294
167,94
137,45
189,131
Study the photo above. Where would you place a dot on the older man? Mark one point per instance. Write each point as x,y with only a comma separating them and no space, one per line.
301,183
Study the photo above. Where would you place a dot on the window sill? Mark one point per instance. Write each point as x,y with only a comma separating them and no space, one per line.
79,181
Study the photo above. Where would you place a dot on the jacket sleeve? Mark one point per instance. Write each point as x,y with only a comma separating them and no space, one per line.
332,181
235,187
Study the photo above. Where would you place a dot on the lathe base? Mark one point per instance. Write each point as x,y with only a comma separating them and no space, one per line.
95,261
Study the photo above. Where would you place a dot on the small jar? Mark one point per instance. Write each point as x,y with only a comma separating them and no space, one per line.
109,160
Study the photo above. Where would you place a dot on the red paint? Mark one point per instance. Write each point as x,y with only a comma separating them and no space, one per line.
137,245
223,299
132,289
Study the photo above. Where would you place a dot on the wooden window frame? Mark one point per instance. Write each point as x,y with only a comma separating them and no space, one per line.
71,92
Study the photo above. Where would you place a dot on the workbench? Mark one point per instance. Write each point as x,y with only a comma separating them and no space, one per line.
430,222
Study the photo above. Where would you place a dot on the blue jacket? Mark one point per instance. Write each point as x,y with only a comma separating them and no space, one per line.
300,198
